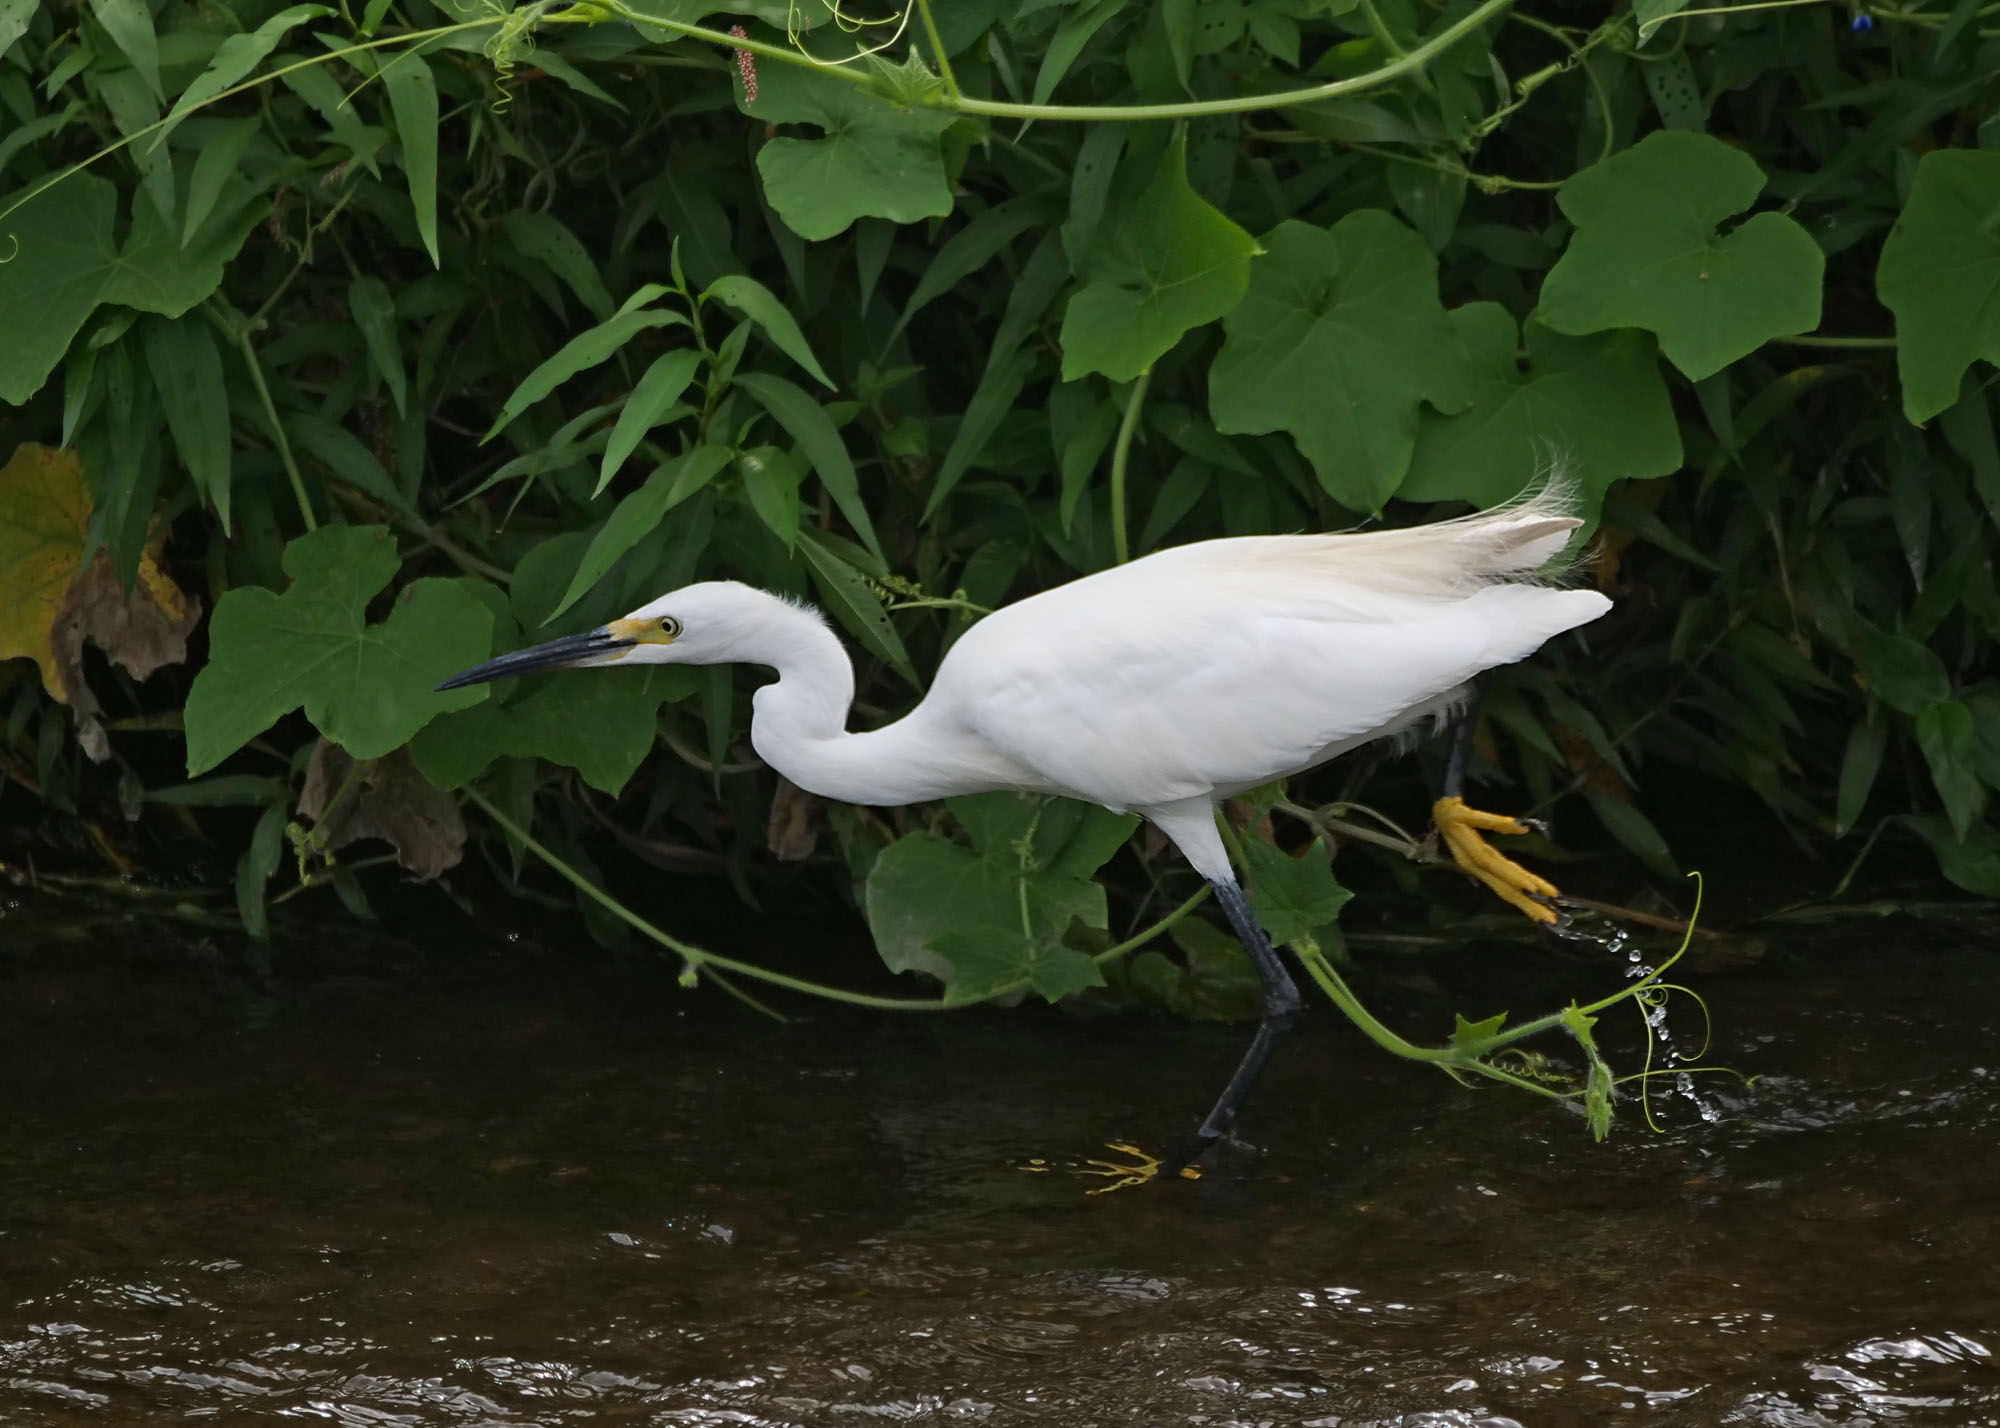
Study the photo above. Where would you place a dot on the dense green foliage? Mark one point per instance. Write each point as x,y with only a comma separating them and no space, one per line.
522,318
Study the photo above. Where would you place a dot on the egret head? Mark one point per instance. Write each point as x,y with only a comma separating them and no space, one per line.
709,623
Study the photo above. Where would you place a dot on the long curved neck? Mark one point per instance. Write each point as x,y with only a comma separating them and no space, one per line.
799,726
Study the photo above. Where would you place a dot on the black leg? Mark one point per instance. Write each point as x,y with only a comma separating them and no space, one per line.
1281,1006
1466,722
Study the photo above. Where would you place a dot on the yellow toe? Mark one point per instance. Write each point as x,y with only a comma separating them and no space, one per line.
1139,1169
1461,827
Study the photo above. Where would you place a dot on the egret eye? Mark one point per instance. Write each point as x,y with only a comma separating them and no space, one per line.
669,626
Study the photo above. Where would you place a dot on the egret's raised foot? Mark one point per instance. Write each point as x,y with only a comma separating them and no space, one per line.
1461,827
1137,1168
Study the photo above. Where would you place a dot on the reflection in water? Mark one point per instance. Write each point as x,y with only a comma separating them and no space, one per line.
399,1192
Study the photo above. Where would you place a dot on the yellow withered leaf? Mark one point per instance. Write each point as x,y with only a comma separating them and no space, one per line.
44,516
51,603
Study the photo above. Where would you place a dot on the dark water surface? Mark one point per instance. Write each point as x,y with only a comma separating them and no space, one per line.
411,1186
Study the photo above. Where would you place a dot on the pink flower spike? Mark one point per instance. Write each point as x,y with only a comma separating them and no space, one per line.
746,64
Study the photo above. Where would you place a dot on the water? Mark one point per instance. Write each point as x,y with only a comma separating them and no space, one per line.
399,1185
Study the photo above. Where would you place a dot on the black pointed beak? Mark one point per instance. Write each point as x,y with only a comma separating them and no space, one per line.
555,654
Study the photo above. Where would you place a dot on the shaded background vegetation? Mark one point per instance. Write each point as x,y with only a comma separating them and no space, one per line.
858,337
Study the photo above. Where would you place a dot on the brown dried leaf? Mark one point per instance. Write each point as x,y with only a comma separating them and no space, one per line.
141,632
50,604
387,799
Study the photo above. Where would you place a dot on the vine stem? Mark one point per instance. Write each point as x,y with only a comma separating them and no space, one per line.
696,957
700,959
937,48
1839,343
1121,546
1141,938
239,330
1467,1055
1415,59
590,12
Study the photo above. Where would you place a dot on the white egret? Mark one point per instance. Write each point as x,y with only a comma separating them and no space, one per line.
1159,687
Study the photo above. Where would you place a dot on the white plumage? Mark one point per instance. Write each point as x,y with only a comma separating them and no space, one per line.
1159,686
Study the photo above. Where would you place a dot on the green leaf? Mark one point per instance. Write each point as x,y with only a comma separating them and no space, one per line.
1651,14
64,263
554,65
1091,175
374,312
1001,824
986,411
600,722
696,218
544,238
215,166
771,484
1431,199
1906,676
638,514
1971,862
234,58
254,869
343,453
1940,275
1946,734
366,687
1217,981
167,272
878,159
413,100
1083,842
972,248
1339,340
761,306
222,791
1076,31
987,960
1647,253
130,25
851,600
1676,92
1858,767
1596,404
1636,831
646,408
324,94
62,258
819,439
982,921
1293,897
187,373
1473,1035
587,349
14,18
1007,368
1166,264
135,109
1177,18
1081,424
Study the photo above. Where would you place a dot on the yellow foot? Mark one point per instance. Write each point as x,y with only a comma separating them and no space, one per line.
1139,1169
1461,827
